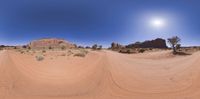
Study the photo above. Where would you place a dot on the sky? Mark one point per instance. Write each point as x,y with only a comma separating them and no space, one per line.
87,22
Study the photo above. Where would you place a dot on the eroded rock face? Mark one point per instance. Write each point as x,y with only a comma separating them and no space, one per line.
50,43
157,43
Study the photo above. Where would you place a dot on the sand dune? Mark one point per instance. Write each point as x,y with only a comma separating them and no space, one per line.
100,75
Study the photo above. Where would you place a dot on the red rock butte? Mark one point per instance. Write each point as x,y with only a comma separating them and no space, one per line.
51,42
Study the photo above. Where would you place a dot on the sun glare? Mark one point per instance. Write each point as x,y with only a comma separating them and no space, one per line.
158,22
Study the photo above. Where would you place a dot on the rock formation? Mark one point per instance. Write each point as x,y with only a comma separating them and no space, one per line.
50,43
157,43
115,46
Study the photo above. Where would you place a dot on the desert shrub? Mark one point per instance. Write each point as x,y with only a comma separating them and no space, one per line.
29,47
69,53
84,51
39,57
87,47
100,47
80,54
141,50
50,47
63,47
126,51
43,51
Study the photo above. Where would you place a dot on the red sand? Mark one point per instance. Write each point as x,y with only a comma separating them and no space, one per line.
100,75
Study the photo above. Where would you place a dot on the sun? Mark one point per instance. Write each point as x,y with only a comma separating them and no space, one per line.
157,22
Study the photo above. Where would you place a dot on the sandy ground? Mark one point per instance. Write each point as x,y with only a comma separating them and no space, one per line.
100,75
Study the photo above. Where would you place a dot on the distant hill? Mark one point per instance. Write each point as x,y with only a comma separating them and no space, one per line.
157,43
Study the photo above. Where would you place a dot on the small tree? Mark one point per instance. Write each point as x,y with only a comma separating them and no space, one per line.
100,47
174,41
94,47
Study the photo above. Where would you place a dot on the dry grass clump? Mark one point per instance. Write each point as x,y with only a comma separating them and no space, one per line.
21,51
43,51
81,53
127,51
39,57
69,53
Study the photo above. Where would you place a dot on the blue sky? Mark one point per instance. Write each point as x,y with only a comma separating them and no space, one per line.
86,22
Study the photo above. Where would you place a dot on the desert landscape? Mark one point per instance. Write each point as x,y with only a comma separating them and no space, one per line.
33,72
99,49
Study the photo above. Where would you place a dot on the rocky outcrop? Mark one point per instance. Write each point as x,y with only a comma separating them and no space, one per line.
157,43
51,43
115,46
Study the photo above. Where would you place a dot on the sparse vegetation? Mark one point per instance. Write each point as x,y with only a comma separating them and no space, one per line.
96,47
39,57
69,53
100,47
87,47
50,47
141,50
174,41
126,51
63,47
43,51
79,54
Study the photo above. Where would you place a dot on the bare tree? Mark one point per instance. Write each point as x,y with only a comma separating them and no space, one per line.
174,41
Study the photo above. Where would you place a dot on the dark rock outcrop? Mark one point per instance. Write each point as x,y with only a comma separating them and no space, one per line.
157,43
